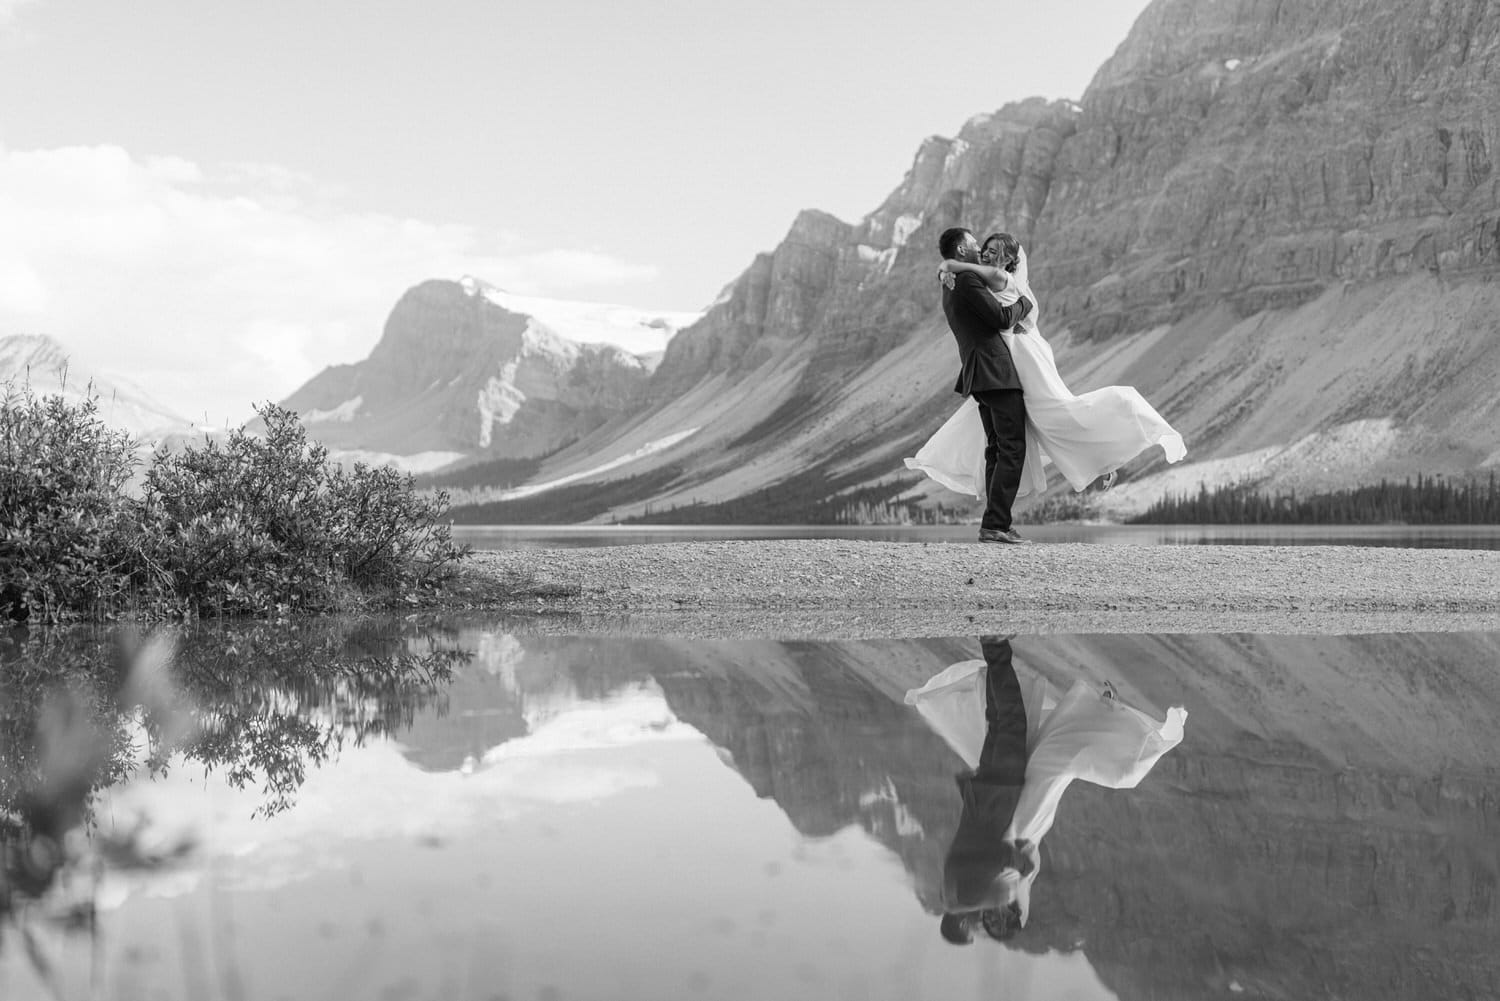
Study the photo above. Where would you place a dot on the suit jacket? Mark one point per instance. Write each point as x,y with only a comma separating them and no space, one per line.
976,320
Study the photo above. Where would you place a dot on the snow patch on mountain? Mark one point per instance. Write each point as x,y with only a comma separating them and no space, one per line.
499,399
638,331
903,228
417,462
955,153
345,411
1344,449
649,448
886,258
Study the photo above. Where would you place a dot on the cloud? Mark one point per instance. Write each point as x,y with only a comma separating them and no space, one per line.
215,287
13,31
8,10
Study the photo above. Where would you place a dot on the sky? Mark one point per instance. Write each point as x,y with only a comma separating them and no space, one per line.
216,199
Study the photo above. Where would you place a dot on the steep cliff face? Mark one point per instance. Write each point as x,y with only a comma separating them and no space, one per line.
840,295
1262,152
456,373
1278,220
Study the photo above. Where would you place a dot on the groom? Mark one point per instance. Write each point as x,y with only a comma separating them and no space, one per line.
988,374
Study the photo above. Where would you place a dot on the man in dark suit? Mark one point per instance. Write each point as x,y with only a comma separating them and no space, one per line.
980,859
987,373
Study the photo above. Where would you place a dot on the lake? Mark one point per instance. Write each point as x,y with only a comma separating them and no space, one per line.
1419,536
452,808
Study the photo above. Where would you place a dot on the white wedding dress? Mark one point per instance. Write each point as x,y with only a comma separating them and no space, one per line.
1079,735
1083,436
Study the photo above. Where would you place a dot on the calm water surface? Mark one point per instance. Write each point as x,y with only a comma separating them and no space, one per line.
1419,536
391,809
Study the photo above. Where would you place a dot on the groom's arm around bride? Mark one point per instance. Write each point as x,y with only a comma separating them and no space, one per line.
972,298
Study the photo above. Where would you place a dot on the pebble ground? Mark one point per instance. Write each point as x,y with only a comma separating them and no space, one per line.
838,587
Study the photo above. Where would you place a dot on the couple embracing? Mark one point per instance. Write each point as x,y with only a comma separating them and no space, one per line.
1019,413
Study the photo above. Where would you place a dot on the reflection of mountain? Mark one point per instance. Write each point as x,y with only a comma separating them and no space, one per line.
507,692
479,713
830,747
1328,821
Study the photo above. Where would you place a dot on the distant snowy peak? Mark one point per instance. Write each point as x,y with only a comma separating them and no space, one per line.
637,331
51,370
45,357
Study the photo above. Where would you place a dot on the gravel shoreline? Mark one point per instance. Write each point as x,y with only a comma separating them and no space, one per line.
848,588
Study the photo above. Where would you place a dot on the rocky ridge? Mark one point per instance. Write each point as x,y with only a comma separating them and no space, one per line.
1279,220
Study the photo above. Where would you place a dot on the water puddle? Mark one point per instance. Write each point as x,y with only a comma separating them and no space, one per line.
389,809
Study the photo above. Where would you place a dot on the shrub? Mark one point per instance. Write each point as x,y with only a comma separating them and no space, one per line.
259,524
63,519
255,524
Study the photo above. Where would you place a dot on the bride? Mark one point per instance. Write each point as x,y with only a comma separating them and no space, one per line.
1085,436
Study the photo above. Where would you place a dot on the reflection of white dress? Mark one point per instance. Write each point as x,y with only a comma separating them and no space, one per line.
1083,436
1080,735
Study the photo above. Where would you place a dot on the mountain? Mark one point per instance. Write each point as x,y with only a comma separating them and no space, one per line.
50,370
1280,221
467,370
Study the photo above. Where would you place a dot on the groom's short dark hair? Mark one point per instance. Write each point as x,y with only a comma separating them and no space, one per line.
949,241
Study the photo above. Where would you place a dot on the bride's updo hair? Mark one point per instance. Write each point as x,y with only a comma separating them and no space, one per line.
1010,249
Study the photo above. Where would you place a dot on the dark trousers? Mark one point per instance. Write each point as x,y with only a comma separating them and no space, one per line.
1003,414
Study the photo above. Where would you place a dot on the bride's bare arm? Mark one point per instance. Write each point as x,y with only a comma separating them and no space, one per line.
997,279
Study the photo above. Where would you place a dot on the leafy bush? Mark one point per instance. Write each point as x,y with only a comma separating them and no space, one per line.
255,524
63,525
267,523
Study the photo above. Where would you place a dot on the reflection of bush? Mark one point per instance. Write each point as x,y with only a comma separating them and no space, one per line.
313,691
83,709
255,524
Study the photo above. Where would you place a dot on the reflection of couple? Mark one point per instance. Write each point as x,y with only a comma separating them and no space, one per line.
1019,412
1024,746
